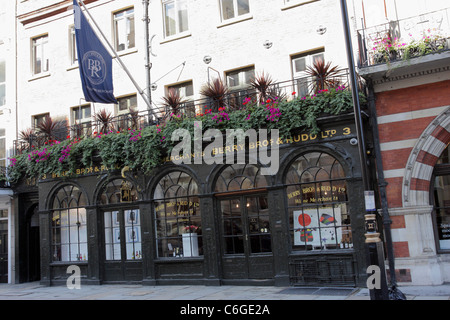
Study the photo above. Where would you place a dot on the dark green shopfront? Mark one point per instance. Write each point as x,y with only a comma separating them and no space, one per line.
203,224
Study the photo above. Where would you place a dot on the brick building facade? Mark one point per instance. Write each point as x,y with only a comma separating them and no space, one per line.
412,101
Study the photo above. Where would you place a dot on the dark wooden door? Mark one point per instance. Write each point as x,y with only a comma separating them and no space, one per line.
246,238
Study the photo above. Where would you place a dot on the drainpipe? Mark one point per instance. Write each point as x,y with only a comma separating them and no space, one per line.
394,292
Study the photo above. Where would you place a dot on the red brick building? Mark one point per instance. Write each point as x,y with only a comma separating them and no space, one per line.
412,103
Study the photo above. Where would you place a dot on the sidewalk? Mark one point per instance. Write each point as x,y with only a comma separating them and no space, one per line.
35,291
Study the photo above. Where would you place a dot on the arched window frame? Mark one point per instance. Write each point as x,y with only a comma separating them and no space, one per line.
240,177
317,202
177,216
68,225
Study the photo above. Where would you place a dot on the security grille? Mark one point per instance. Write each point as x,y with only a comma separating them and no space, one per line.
339,271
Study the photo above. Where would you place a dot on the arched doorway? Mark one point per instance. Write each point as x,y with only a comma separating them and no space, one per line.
244,224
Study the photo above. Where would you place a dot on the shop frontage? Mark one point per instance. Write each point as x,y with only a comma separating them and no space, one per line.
212,224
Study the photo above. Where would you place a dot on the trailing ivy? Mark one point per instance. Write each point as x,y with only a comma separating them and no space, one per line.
145,149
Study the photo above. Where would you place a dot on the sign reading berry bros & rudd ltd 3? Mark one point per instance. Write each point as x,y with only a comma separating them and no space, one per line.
257,146
259,142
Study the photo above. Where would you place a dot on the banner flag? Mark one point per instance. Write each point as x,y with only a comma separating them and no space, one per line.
94,61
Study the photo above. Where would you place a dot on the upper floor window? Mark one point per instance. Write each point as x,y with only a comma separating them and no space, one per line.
40,61
81,120
240,79
2,83
126,104
300,62
185,92
230,9
175,17
124,35
39,118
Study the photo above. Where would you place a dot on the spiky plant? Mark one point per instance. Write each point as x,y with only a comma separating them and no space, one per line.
324,75
104,119
217,91
48,130
262,83
26,139
134,118
172,102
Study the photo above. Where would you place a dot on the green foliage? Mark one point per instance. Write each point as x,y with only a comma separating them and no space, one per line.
145,149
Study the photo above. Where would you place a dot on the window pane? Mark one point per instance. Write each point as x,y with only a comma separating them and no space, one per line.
120,35
112,236
169,18
37,60
2,71
2,94
243,7
182,15
130,32
300,64
227,9
132,234
124,29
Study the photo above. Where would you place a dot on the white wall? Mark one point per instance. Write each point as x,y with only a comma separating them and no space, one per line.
291,31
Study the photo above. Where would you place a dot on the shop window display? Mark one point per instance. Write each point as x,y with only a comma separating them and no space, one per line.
69,234
177,217
316,193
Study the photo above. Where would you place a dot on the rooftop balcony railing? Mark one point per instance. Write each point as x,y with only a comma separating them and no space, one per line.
404,39
234,100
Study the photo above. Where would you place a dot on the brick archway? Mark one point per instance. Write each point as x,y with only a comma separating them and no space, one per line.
421,162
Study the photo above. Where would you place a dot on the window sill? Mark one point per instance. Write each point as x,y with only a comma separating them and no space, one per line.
126,52
65,263
176,37
72,67
235,20
287,6
178,259
39,76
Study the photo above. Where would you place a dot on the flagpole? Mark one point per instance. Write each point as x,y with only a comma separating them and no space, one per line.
141,92
148,64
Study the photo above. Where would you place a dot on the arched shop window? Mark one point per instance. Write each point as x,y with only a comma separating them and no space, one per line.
240,177
441,201
316,193
69,234
122,221
177,216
